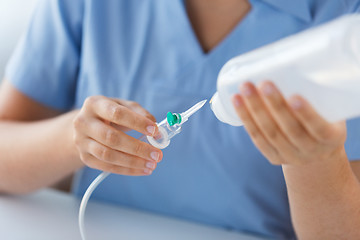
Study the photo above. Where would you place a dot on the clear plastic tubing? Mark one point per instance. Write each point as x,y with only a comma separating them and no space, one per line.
321,64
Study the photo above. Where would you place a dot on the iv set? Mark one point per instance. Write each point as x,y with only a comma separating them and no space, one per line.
171,126
168,128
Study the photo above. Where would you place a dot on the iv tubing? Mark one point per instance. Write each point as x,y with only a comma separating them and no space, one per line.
155,143
85,200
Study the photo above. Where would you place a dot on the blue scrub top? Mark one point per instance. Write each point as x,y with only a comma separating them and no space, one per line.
146,51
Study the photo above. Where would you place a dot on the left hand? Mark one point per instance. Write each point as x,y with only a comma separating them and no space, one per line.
287,132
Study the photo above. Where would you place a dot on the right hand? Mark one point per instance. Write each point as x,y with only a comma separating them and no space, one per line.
100,138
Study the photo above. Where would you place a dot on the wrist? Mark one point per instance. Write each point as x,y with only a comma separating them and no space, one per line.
69,145
335,158
330,172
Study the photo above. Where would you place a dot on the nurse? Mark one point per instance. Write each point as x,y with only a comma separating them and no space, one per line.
86,72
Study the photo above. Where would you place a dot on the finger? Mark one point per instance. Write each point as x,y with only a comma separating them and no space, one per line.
136,107
256,135
120,141
264,120
111,156
315,124
283,115
113,112
92,162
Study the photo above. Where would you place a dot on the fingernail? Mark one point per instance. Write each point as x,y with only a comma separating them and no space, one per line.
267,89
158,136
147,171
150,165
246,90
296,103
236,101
150,129
155,156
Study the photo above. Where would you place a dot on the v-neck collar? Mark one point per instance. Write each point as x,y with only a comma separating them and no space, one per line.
297,8
195,41
258,28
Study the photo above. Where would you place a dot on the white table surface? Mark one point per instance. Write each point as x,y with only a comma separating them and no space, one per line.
52,215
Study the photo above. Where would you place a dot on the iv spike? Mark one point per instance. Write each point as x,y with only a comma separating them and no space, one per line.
180,118
193,109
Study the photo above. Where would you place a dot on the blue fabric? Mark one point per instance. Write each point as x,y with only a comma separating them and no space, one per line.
146,51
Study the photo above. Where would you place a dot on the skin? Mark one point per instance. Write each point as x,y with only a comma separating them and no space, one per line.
322,186
323,189
101,141
213,20
92,136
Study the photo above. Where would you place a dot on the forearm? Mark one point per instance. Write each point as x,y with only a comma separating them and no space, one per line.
36,154
324,199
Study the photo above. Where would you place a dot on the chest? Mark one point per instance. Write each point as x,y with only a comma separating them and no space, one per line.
213,20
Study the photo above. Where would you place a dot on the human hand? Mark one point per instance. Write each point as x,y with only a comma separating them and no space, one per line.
287,132
102,144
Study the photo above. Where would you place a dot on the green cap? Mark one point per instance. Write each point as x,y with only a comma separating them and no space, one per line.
173,118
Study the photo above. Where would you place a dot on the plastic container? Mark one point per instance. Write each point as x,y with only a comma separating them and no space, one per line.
321,64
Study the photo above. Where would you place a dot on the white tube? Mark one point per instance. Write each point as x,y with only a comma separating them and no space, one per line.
85,200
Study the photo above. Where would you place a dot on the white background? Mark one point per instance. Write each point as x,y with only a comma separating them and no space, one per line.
14,17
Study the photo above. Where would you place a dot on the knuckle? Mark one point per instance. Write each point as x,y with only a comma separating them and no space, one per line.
78,122
131,162
138,148
256,108
136,163
296,132
96,150
111,137
272,134
278,104
104,154
116,113
137,121
89,101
